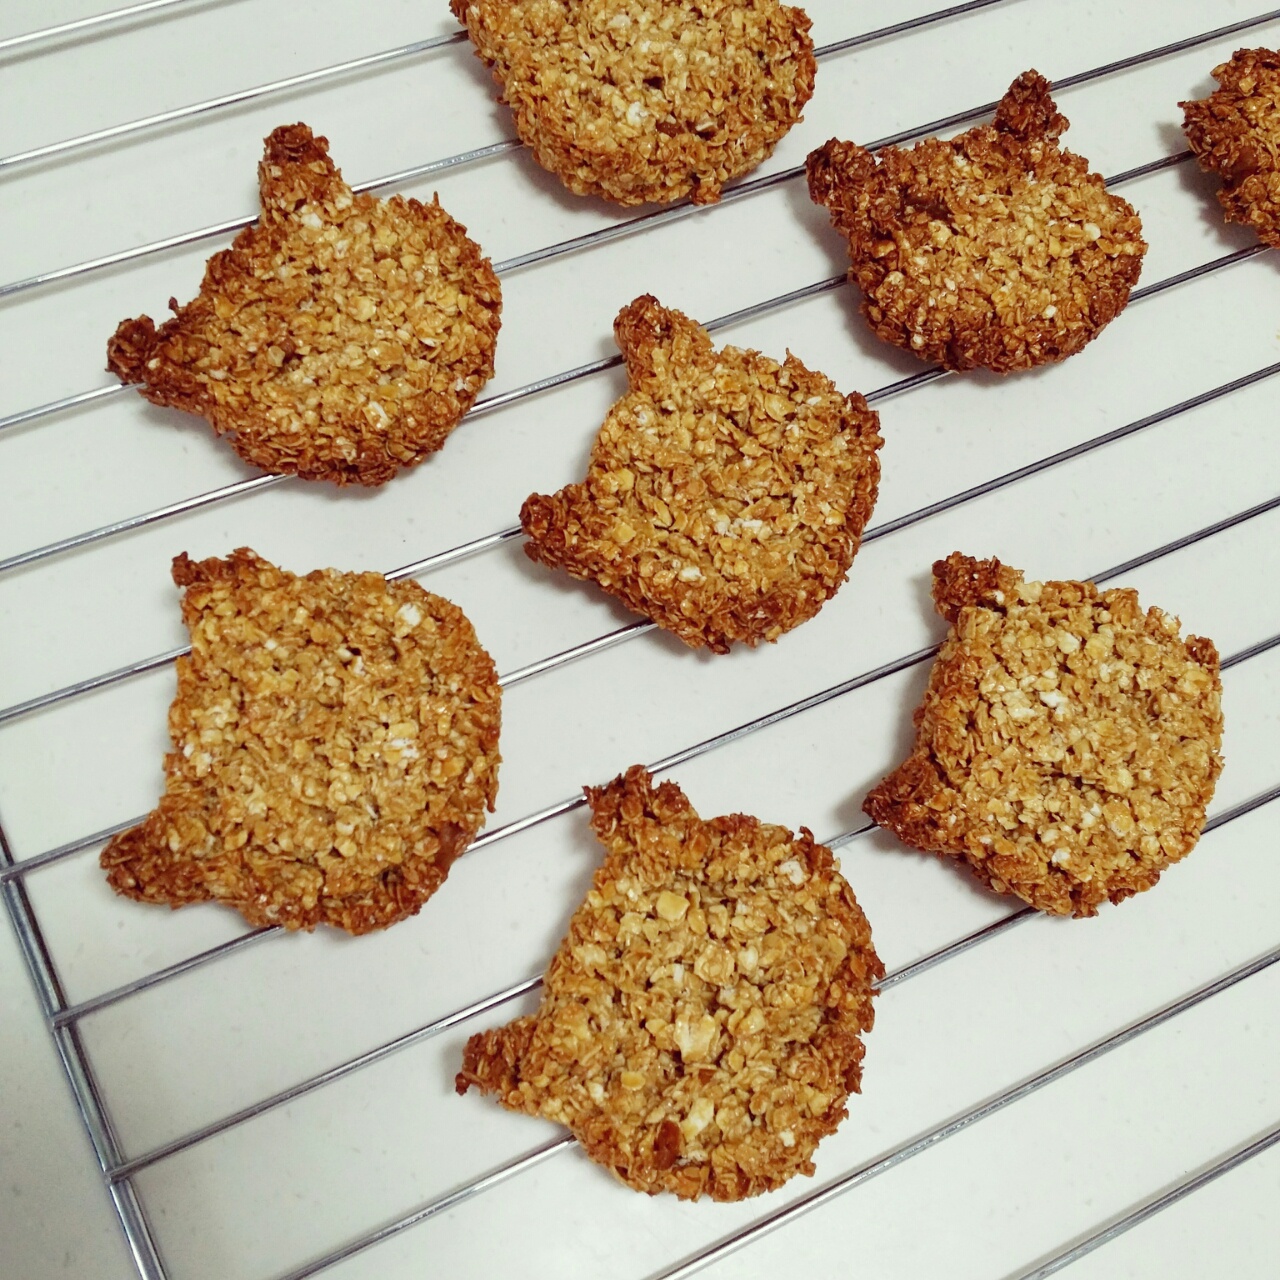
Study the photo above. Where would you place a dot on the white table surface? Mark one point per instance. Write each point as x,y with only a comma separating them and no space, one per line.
271,1194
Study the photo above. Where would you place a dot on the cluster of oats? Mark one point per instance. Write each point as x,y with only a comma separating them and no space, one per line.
700,1026
1068,743
646,100
996,249
339,338
1235,133
335,746
726,493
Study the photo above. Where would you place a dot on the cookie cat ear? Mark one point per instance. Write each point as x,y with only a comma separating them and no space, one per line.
296,170
1028,112
651,338
960,580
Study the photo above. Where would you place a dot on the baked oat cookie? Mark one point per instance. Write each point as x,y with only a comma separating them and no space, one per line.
339,338
701,1025
646,100
335,746
1235,133
726,493
995,249
1068,743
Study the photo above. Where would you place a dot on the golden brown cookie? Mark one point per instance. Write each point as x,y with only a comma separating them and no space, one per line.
339,338
335,746
1068,743
996,249
646,100
700,1026
726,493
1235,133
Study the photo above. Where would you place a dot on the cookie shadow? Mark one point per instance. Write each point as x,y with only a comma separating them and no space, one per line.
1203,187
849,813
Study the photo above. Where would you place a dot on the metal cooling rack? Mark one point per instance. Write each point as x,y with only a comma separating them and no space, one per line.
1147,460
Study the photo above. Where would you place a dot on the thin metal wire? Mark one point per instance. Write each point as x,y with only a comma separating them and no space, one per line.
900,1155
116,132
1149,1210
96,22
143,665
23,416
76,1067
84,1087
20,869
572,803
506,146
436,1207
830,1191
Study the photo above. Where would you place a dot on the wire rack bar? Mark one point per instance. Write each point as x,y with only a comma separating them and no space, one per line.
571,803
128,129
855,1178
239,97
75,1065
825,1194
23,416
519,989
1149,1210
143,665
97,22
17,870
442,1205
503,147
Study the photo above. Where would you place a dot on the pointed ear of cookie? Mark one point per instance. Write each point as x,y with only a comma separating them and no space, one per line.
1028,113
835,172
491,1060
960,580
296,170
909,803
632,815
652,338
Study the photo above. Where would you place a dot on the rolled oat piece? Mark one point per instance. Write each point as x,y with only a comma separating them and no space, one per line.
335,747
646,100
1068,743
701,1025
1235,133
726,493
340,337
995,249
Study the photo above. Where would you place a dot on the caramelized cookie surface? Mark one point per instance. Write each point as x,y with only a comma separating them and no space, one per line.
701,1024
646,100
1235,133
335,747
340,338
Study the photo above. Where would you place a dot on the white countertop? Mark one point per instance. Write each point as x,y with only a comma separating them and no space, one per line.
307,1177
